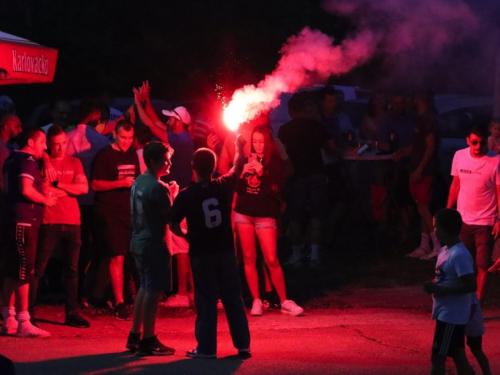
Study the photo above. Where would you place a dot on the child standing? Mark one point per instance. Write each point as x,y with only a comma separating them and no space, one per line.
494,138
452,290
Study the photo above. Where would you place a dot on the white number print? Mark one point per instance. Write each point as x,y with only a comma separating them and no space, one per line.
213,217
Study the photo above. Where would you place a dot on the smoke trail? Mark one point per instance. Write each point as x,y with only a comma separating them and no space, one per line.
424,42
307,58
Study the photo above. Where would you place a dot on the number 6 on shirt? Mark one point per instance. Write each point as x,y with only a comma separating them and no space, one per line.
213,217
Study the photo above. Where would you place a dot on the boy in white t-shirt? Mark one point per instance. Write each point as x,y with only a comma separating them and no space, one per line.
451,288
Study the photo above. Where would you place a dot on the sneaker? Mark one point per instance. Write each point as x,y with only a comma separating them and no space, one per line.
177,300
33,321
133,341
244,353
431,255
73,319
257,308
418,253
153,346
291,308
99,303
196,354
9,326
26,329
121,312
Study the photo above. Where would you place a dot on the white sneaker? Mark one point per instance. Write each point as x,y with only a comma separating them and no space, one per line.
257,308
26,329
9,326
419,252
291,308
177,300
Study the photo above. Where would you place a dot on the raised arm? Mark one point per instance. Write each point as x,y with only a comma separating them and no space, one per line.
158,129
239,155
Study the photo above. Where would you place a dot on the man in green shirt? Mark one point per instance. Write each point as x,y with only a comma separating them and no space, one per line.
150,204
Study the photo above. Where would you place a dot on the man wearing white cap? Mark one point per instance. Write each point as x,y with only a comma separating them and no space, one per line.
177,114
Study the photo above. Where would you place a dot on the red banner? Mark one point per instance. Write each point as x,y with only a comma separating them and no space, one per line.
22,61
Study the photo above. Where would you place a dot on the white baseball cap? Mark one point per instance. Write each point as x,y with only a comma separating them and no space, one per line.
179,113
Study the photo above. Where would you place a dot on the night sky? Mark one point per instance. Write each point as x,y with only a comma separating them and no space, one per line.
187,47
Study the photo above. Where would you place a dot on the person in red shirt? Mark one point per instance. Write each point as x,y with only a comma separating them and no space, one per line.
61,223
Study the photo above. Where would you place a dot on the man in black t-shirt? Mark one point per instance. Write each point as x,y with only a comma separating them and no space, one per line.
206,206
25,205
303,139
113,172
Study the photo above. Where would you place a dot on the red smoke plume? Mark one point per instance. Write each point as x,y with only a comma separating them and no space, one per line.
307,58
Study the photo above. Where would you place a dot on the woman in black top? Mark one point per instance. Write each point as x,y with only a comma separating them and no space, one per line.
257,208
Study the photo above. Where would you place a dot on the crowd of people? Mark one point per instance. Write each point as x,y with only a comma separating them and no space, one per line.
121,194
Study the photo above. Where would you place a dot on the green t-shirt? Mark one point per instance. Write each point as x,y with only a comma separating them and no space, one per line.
150,204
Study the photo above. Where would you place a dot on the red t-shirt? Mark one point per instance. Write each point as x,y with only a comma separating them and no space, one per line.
66,211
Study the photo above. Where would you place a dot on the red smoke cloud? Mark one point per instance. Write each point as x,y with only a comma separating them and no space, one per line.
307,58
413,33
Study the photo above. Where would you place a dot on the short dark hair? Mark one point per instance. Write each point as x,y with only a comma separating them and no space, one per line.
327,91
87,106
143,134
125,124
204,161
153,151
480,130
54,130
449,220
297,103
26,135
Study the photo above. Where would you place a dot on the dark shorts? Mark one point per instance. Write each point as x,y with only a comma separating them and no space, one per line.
112,232
154,271
307,194
480,242
448,338
422,192
475,343
20,252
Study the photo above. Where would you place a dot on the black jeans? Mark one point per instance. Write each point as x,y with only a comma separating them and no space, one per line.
212,273
69,238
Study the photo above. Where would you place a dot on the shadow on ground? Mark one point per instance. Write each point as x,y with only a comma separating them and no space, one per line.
124,363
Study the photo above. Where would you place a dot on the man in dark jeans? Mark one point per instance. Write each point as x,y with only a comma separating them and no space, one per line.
61,224
206,206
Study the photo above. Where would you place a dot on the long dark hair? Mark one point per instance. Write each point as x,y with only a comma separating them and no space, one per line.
270,148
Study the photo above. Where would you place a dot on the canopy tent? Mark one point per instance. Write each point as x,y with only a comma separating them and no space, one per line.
23,61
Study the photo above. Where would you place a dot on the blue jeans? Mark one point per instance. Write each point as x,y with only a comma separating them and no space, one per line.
69,238
212,273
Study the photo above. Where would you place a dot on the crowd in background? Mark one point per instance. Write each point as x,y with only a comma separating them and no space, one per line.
293,185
